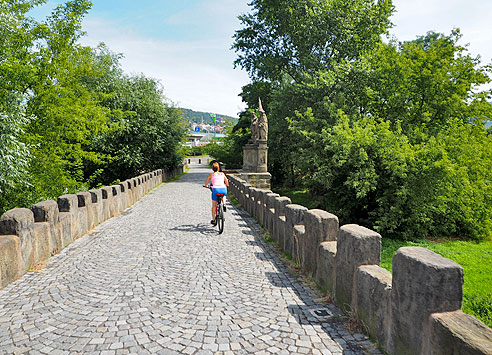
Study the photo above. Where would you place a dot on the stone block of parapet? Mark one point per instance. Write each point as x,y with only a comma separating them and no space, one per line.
115,207
270,210
47,212
246,193
97,207
129,193
278,224
356,245
423,283
125,203
325,272
457,333
321,226
11,262
42,236
20,222
107,200
68,206
85,211
371,301
298,235
262,197
294,214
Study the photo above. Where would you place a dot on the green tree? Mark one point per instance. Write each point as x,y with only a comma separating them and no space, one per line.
297,36
393,153
427,83
15,155
145,130
67,113
294,51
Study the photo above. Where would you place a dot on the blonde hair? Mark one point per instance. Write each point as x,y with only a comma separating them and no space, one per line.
215,166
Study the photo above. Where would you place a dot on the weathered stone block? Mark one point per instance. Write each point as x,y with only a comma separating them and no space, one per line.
247,198
240,195
116,202
258,180
457,333
20,222
134,190
258,204
129,192
325,272
294,214
298,235
85,212
47,211
270,211
107,199
263,207
68,205
11,263
321,226
139,187
42,237
372,301
278,224
356,246
124,196
97,207
423,283
252,202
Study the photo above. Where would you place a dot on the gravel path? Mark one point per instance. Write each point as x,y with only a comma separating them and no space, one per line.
159,279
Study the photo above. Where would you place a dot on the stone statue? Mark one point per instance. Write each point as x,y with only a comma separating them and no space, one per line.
262,124
254,128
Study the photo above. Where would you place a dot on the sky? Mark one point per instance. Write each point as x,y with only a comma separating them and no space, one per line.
186,43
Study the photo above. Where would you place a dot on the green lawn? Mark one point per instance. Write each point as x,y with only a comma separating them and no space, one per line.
475,258
300,196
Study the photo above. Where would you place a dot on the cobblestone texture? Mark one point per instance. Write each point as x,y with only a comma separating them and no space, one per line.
159,279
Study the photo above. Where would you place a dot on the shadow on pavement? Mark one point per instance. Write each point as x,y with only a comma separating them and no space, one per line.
311,310
202,228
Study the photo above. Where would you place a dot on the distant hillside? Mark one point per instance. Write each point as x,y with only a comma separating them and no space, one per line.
198,116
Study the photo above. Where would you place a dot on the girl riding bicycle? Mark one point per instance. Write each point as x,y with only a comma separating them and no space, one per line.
219,186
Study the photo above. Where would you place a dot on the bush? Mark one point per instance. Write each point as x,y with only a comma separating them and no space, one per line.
367,173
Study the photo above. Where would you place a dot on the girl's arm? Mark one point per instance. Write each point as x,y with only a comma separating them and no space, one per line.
208,179
226,181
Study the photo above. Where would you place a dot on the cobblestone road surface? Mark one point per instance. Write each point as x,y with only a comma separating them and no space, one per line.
159,279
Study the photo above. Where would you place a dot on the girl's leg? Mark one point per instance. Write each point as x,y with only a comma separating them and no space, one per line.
214,209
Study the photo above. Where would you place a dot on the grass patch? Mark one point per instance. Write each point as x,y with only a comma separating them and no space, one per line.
298,196
232,199
476,260
38,267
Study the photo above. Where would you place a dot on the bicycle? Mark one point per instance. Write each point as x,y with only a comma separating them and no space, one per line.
219,212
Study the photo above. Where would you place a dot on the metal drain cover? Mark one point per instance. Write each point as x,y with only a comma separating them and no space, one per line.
321,313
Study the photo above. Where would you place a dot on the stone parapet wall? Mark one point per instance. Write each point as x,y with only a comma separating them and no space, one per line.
415,310
29,236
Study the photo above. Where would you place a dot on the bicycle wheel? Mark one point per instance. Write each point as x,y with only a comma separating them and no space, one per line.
220,218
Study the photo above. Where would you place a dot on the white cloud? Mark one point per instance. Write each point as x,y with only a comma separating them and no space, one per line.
417,17
195,74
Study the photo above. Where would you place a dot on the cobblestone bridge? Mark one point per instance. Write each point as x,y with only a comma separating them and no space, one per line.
159,279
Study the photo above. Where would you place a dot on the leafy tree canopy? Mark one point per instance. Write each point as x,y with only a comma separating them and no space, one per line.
295,36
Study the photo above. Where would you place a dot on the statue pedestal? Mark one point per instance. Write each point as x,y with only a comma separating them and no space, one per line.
258,180
255,170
